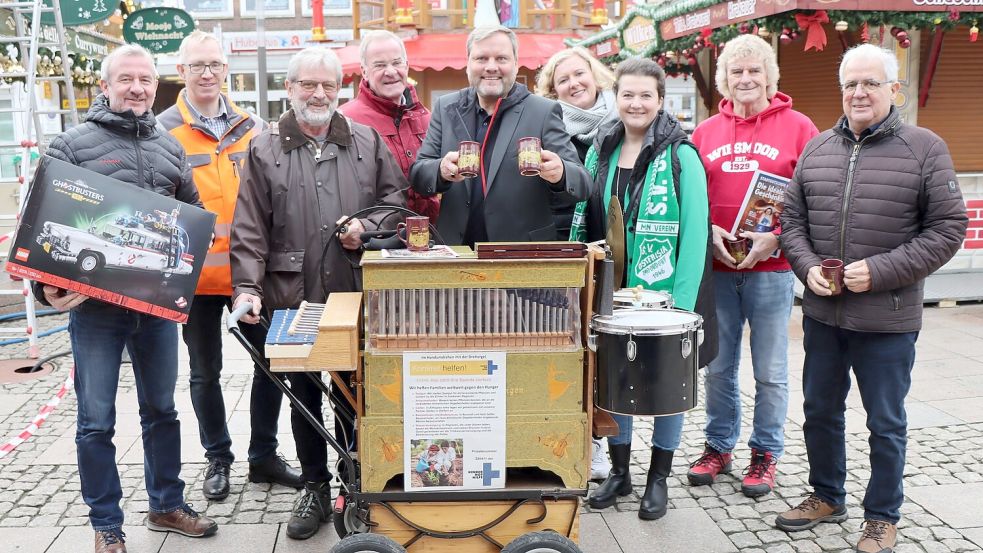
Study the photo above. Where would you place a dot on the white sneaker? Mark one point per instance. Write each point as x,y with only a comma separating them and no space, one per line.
599,464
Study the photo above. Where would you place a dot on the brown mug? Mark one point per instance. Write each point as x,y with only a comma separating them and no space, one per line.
469,159
530,156
832,270
738,249
417,233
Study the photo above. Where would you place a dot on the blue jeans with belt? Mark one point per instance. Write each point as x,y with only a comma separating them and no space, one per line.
98,333
764,300
881,364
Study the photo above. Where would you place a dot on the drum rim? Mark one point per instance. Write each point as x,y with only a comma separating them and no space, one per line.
598,324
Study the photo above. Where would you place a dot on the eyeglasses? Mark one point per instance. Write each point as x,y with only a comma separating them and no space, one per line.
868,85
199,68
311,86
398,63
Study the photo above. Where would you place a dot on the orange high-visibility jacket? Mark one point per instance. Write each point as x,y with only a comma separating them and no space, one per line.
216,163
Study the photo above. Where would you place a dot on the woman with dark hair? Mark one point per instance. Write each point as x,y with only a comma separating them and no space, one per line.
645,162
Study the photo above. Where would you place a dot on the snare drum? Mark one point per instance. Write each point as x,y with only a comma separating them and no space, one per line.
631,298
647,360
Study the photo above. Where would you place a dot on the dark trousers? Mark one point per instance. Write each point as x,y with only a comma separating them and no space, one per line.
881,364
312,448
203,336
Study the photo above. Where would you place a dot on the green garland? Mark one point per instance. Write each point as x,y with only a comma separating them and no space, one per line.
678,63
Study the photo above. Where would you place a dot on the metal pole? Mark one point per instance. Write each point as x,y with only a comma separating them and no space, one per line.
263,108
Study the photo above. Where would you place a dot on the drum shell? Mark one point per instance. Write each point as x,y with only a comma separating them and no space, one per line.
658,381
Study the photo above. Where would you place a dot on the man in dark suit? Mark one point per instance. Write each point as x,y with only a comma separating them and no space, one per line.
499,204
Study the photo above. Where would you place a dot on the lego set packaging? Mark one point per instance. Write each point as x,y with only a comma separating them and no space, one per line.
112,241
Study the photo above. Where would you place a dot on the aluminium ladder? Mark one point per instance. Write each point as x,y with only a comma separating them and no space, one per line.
28,39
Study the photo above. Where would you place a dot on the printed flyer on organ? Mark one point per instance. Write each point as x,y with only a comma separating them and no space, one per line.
454,420
110,240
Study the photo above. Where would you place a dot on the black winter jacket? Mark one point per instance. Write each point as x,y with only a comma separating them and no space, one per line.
891,198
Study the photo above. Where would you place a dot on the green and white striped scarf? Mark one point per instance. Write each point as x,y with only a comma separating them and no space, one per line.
651,247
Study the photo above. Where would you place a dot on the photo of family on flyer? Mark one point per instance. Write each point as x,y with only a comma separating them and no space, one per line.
439,463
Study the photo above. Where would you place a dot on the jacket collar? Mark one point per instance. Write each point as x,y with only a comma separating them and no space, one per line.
188,112
291,137
100,112
885,127
384,105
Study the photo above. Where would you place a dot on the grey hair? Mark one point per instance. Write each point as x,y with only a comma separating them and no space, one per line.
125,51
868,51
378,34
195,38
747,46
481,33
314,55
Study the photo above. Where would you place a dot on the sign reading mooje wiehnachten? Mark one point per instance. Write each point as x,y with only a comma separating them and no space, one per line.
159,30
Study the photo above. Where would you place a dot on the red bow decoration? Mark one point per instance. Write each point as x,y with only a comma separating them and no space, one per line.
813,26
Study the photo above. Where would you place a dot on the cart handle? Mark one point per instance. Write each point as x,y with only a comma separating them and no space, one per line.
237,314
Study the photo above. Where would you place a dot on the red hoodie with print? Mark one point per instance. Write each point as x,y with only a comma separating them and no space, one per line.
733,147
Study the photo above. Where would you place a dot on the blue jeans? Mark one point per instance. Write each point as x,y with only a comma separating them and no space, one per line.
98,333
881,364
666,431
203,336
764,299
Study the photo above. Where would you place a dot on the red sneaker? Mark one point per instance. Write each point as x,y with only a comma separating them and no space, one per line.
708,466
759,477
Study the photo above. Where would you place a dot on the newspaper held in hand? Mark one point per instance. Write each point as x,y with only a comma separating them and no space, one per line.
763,205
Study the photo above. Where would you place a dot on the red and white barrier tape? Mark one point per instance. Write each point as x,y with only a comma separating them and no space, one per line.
6,237
40,418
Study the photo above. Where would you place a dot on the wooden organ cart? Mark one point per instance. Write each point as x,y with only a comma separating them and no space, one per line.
535,310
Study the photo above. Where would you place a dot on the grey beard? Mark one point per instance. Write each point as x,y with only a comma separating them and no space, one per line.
313,119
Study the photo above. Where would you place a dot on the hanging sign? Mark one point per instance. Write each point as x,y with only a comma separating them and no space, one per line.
159,30
80,12
639,35
606,49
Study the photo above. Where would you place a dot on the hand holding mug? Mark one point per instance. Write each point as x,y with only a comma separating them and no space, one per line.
551,167
449,169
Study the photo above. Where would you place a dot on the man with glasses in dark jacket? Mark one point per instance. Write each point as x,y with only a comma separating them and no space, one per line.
881,196
121,139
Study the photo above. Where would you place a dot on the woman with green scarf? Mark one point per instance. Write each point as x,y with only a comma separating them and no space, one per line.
645,160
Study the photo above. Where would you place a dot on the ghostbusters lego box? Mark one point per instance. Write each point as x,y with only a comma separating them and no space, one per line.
110,240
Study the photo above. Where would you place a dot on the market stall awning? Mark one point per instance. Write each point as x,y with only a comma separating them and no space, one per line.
449,51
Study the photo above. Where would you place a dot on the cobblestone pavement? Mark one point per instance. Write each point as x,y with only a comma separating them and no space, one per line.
41,508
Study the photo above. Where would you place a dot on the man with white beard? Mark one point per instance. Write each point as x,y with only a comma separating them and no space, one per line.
301,178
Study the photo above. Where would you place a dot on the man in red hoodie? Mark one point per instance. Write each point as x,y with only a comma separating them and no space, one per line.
388,103
756,129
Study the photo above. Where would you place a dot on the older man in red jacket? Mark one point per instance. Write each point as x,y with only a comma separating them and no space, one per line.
388,103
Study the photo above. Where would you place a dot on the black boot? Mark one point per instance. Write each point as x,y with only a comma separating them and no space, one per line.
618,482
313,508
656,497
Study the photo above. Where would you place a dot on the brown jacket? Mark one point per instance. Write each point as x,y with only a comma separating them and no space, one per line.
893,199
289,203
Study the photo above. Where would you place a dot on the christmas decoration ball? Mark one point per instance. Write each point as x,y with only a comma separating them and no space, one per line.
784,38
895,31
763,32
692,61
902,36
905,43
744,28
841,26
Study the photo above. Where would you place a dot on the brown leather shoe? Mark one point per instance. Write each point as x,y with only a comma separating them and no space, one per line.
110,541
185,521
878,537
809,513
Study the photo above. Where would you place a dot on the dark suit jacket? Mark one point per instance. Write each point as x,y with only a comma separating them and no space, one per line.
517,208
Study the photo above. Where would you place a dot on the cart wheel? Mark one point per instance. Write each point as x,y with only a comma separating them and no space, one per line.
367,543
348,523
541,542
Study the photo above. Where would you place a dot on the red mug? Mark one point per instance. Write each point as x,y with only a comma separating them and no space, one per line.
832,270
469,159
530,156
417,233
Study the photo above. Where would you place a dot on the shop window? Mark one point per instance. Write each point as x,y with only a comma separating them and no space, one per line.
8,169
243,82
271,8
276,81
205,8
